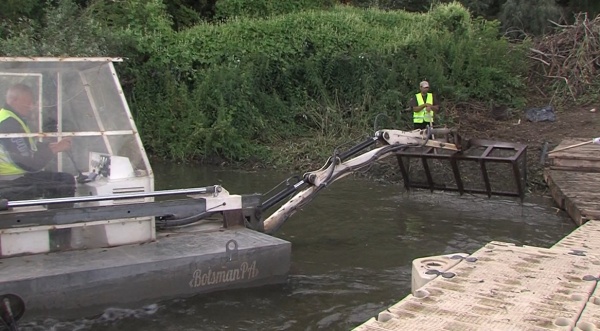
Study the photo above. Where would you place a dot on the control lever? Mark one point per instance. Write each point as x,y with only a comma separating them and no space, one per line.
81,178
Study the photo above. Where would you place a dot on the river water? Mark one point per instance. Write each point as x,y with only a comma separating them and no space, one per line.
352,252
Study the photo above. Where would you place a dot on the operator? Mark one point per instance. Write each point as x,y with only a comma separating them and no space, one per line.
22,159
423,104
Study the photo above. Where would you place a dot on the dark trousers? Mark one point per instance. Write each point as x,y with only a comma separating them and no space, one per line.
420,126
43,184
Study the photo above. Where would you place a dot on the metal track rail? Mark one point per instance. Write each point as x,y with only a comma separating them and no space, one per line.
5,204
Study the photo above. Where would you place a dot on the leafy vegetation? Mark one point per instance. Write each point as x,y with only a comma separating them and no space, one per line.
230,79
532,16
226,9
253,82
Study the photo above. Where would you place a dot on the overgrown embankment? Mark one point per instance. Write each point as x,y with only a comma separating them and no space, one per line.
292,80
303,82
280,89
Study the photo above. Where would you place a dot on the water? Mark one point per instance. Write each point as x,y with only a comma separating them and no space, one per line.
352,252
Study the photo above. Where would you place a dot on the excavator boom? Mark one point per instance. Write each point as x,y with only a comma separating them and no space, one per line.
336,167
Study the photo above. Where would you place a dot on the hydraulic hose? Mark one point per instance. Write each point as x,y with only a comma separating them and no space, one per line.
287,191
163,223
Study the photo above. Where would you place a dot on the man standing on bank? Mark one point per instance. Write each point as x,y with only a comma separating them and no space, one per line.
423,104
23,158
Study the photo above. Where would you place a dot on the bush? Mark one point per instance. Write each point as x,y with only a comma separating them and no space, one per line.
523,17
254,82
225,9
65,30
231,89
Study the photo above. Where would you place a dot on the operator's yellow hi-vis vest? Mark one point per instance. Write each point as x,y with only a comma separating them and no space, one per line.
7,167
423,115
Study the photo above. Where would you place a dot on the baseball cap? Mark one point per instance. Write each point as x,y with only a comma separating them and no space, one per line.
424,84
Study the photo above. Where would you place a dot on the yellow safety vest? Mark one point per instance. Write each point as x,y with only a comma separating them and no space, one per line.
423,115
7,167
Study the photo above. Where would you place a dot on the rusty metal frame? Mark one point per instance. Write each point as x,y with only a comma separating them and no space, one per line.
424,154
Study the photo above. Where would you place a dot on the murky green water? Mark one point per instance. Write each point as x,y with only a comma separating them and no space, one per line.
352,253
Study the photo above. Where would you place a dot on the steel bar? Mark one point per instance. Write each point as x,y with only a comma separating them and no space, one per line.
352,151
427,172
51,217
179,207
466,190
287,191
199,190
486,178
60,59
404,169
457,178
517,175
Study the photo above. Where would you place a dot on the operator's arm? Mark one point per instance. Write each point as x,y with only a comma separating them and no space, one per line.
414,107
19,151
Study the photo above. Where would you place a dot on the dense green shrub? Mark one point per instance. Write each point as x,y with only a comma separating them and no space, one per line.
225,9
232,89
250,82
522,17
64,30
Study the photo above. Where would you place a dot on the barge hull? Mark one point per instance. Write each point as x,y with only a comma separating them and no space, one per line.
83,283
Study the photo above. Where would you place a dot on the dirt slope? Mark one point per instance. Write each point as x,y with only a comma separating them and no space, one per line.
578,122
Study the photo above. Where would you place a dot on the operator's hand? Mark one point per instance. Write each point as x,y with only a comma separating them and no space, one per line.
61,146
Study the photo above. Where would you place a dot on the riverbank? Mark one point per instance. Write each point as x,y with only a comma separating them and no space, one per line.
310,153
571,122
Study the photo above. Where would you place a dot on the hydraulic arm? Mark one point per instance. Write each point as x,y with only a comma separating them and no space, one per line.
339,166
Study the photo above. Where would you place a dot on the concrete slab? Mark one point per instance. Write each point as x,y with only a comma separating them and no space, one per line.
82,283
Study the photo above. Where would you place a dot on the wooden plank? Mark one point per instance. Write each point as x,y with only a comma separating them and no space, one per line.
440,144
591,151
576,181
579,155
583,194
588,210
576,165
591,214
555,192
584,158
573,211
577,193
575,168
586,202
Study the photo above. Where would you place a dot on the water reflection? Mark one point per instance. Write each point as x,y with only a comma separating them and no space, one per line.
352,252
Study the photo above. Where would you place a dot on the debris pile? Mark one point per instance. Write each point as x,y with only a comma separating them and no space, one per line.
572,55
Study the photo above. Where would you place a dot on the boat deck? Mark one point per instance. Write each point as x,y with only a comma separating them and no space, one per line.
175,265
